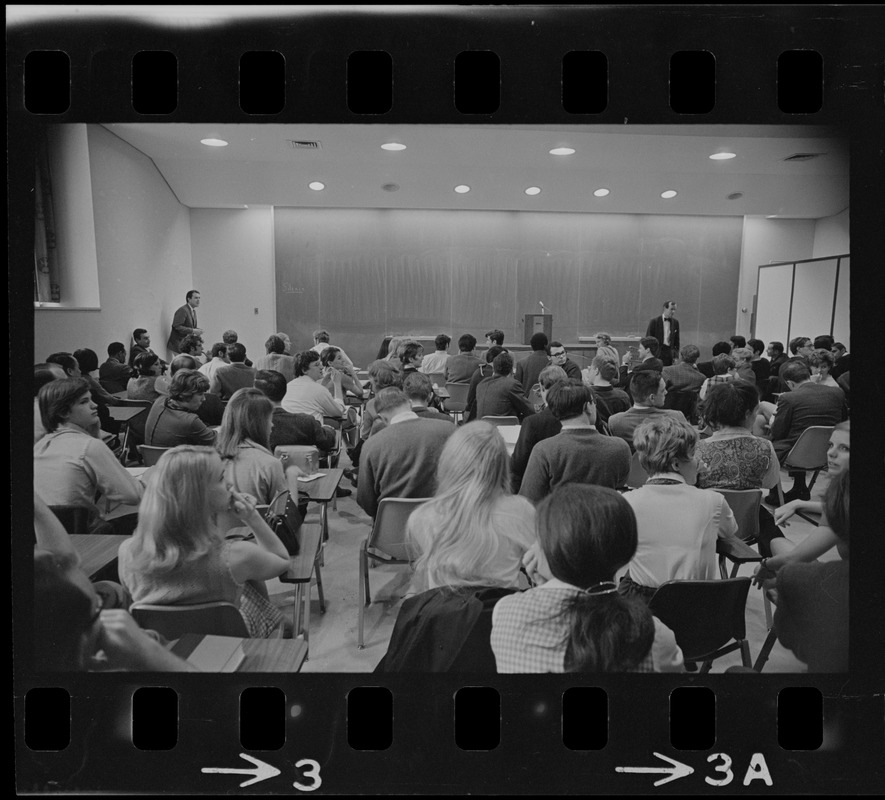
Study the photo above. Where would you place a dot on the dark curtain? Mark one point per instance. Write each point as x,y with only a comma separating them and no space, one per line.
46,284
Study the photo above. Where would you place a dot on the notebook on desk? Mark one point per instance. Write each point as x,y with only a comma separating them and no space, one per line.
210,653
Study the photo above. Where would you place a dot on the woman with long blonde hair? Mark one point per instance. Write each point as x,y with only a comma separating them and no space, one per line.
473,531
178,554
244,444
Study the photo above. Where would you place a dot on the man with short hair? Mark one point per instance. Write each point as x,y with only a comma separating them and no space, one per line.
649,393
483,371
217,358
559,358
609,400
211,410
291,428
435,363
801,348
230,337
401,459
684,375
761,366
843,359
665,329
804,404
495,337
529,369
706,367
192,345
460,368
647,351
141,343
500,394
578,453
236,375
115,370
777,357
321,342
737,341
824,342
419,389
541,425
184,321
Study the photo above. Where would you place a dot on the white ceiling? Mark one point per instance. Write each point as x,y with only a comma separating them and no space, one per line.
637,163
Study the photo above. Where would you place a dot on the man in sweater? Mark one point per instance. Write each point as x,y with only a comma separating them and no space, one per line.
400,460
236,375
609,400
649,392
500,395
460,368
529,369
578,453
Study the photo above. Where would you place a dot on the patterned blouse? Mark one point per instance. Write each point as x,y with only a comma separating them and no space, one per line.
737,461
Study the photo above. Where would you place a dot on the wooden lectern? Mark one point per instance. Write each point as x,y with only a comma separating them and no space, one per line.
538,323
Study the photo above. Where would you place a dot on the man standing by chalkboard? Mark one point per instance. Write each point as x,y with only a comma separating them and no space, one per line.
665,329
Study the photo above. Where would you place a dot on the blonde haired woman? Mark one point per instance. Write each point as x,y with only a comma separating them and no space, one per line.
473,531
244,444
178,554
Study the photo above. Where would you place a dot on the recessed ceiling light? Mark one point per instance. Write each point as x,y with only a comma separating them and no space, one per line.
668,194
462,189
533,190
317,186
602,192
214,142
393,146
771,216
723,156
562,151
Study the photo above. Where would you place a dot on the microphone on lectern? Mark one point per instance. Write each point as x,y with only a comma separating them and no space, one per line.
541,303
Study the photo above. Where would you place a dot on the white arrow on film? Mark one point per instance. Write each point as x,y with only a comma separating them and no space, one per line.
678,770
261,772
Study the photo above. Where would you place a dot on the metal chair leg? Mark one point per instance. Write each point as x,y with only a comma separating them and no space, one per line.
363,589
764,652
319,575
745,653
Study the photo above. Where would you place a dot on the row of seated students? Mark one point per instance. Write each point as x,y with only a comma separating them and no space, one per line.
74,410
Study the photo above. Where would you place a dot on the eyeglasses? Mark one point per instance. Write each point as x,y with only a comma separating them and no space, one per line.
556,355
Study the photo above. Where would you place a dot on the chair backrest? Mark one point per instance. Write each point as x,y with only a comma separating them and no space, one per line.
703,615
457,396
277,507
151,454
501,420
439,378
304,456
638,476
219,619
810,450
75,519
744,504
388,534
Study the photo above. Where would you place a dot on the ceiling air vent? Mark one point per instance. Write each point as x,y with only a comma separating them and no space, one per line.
802,156
304,145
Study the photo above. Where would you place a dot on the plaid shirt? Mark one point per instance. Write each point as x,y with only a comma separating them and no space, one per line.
529,633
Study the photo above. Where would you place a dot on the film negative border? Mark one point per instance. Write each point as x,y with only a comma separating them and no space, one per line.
423,756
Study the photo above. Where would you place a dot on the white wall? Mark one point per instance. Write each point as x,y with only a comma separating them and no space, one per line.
142,251
767,240
831,236
233,268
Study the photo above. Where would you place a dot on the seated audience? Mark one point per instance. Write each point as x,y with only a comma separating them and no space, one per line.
822,363
812,599
192,345
144,385
115,372
649,394
761,366
336,368
71,464
419,390
178,554
382,374
804,404
288,343
529,369
306,395
822,538
576,621
411,354
736,459
724,370
578,453
460,368
599,376
605,348
67,362
843,360
401,459
743,362
473,530
647,352
276,358
559,358
801,349
173,420
495,337
236,375
217,358
720,348
435,363
777,357
737,341
321,342
684,375
43,374
231,337
243,442
483,371
824,342
291,428
88,362
677,523
211,409
141,343
500,394
541,425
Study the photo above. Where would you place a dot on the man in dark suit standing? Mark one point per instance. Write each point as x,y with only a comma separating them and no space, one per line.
184,323
665,329
805,404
